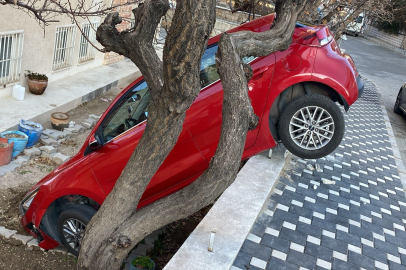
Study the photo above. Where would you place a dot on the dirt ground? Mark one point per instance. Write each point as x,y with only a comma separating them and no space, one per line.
14,186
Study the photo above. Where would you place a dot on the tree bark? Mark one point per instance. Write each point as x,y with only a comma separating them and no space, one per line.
118,227
173,86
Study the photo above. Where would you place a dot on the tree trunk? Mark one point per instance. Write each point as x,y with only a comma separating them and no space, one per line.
118,227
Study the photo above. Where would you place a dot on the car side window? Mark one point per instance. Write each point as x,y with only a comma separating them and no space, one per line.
131,111
208,69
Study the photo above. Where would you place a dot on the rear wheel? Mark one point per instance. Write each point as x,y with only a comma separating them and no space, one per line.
72,224
396,108
311,126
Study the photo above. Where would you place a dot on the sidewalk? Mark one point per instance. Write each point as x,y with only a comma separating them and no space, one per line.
348,212
65,94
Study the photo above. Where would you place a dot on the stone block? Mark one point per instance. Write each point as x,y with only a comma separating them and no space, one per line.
33,245
21,160
48,149
94,117
23,239
8,168
54,134
87,125
66,133
33,151
47,155
49,141
59,249
6,232
43,137
76,129
60,141
47,132
60,158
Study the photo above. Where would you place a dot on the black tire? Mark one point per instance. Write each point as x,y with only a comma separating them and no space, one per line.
76,212
396,108
334,131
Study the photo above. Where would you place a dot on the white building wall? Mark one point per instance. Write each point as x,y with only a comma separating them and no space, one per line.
38,47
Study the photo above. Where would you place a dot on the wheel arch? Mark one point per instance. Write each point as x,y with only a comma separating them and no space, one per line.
299,89
53,211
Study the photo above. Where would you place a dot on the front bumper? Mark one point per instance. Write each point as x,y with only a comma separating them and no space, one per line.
360,84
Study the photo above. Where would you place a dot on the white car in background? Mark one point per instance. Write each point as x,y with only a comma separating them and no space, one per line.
355,27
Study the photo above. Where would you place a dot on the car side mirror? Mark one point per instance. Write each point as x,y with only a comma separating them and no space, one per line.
94,145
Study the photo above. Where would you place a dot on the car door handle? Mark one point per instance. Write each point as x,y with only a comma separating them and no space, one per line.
259,72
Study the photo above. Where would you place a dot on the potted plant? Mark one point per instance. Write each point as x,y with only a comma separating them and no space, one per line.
37,83
142,262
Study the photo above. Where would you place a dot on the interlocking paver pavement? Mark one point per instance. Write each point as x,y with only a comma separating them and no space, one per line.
357,221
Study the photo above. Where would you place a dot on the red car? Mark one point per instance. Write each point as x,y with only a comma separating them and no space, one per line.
294,93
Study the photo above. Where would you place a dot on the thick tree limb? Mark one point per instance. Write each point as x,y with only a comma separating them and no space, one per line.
223,167
166,114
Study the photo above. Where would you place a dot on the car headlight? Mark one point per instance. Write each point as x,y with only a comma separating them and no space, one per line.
26,202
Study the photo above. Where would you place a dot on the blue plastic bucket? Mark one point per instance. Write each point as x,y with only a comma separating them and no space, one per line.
19,143
32,130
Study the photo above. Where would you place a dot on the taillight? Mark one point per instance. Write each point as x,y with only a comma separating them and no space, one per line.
316,38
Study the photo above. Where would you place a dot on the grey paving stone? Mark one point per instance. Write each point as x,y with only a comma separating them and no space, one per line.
60,158
309,229
361,232
22,160
48,149
33,151
6,232
324,224
301,259
8,168
48,141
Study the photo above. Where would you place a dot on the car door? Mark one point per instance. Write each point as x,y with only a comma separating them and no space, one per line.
122,129
207,108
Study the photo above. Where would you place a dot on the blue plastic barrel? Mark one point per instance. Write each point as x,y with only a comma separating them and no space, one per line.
19,143
32,130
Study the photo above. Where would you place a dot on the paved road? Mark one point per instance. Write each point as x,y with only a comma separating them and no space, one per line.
356,222
387,69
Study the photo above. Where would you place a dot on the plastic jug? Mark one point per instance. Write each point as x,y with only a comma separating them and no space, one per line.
18,92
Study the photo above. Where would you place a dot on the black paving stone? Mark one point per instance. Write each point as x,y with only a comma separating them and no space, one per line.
371,227
293,236
300,211
286,216
382,223
361,232
387,247
309,229
395,266
361,260
342,265
395,241
374,253
278,264
334,244
301,259
324,224
319,251
337,219
256,250
242,260
258,229
352,239
275,242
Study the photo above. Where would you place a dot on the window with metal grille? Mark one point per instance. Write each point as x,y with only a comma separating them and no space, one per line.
11,52
64,47
86,50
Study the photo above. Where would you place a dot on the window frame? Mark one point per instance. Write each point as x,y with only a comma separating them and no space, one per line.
63,55
14,60
87,49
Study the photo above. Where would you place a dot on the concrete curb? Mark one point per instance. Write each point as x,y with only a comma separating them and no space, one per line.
396,152
231,217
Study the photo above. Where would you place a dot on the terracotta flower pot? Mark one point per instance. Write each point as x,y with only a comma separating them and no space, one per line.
37,87
59,120
6,151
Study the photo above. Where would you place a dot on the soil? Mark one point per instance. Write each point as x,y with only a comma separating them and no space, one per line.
13,135
175,235
4,145
15,185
